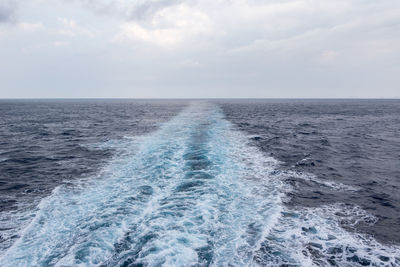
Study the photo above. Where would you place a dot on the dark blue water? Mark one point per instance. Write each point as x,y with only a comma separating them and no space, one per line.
354,143
199,183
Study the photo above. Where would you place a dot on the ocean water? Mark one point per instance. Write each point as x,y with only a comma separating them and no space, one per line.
199,183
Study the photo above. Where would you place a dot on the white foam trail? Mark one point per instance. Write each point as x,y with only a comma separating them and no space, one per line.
193,192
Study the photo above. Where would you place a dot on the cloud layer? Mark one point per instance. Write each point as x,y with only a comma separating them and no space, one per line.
224,48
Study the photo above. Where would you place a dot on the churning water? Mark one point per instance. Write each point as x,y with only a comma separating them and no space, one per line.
192,193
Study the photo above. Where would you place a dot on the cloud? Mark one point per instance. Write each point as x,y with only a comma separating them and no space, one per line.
147,9
138,10
7,11
70,28
134,32
168,26
270,47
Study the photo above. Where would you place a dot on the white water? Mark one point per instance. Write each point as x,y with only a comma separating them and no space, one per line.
192,193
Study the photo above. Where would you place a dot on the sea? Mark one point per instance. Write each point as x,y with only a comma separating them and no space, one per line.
207,182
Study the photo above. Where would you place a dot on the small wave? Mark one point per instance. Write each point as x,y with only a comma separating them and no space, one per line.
13,221
316,237
126,142
337,186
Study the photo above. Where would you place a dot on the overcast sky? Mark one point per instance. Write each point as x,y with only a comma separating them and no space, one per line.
193,48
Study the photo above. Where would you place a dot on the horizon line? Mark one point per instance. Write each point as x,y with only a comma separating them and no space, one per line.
199,98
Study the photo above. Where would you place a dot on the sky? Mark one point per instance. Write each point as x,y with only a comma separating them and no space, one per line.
200,49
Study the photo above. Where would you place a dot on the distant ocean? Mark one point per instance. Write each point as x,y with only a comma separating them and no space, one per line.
199,182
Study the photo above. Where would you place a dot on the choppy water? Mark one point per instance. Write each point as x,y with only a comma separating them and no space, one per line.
192,191
345,151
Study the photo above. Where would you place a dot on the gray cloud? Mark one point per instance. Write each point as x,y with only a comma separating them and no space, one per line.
147,9
140,10
7,11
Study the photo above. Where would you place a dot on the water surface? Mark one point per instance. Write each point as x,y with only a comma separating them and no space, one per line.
199,183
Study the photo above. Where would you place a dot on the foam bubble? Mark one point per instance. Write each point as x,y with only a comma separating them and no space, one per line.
315,236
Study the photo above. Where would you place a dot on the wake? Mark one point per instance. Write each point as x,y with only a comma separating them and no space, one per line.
192,193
